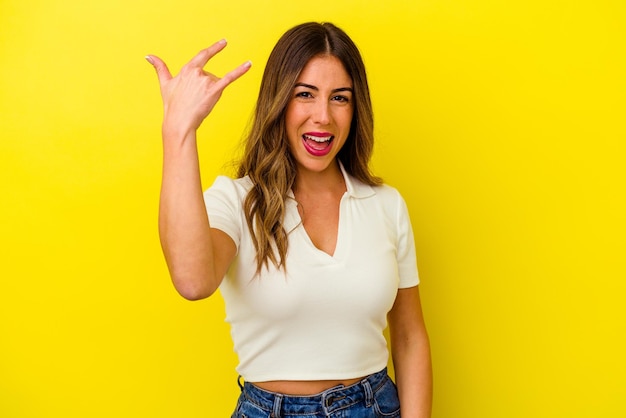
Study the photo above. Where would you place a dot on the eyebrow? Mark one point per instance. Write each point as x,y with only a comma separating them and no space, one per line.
309,86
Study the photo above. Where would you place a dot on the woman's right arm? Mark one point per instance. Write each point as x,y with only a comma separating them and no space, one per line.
197,255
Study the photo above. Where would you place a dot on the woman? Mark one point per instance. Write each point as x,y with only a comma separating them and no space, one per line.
312,254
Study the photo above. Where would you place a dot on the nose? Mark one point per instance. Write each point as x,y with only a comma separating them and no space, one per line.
321,113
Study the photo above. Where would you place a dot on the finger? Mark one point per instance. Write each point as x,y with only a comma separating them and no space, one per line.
206,54
162,71
234,74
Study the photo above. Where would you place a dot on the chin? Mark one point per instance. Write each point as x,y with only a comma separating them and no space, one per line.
318,166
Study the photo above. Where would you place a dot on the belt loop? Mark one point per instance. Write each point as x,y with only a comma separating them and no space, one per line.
239,382
369,394
278,401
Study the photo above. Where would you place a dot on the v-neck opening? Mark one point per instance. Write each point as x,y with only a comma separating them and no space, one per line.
339,251
338,234
293,220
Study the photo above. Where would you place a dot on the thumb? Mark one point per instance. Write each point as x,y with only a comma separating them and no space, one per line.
161,68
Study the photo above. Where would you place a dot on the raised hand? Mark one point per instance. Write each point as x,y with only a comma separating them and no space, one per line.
197,257
189,97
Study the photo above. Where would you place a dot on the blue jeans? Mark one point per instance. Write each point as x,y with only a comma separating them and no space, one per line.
375,396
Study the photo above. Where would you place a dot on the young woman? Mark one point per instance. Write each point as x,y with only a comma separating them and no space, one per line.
312,253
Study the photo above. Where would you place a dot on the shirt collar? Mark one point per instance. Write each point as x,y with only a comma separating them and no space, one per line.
354,188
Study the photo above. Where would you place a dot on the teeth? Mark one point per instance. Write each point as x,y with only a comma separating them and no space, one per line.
318,138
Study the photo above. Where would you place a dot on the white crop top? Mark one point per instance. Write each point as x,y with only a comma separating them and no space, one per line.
325,318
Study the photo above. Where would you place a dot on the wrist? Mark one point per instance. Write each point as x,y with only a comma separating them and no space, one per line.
177,124
177,134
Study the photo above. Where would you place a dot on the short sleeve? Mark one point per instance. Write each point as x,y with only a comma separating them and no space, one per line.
223,205
407,261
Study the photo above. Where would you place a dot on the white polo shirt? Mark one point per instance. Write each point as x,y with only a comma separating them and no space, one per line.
324,318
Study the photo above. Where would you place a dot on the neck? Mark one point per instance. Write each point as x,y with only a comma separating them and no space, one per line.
329,180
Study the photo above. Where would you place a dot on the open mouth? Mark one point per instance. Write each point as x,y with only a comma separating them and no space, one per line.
317,145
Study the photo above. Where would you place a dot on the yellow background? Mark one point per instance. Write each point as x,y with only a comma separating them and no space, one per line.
502,123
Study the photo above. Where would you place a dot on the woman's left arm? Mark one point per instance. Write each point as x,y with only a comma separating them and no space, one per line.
410,351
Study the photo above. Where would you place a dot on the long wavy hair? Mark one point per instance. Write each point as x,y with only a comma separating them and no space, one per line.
267,160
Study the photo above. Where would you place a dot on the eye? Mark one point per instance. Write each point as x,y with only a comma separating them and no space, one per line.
304,94
341,99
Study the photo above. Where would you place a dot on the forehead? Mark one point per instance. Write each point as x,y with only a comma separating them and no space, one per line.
325,70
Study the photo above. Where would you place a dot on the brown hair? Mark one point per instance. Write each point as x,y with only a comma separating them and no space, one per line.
267,159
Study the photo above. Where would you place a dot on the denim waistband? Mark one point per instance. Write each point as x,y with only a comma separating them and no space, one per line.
328,401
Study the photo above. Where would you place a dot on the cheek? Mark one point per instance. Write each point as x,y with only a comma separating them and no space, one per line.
293,118
288,118
292,126
344,119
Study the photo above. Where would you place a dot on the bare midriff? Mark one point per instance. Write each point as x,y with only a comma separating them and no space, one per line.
303,388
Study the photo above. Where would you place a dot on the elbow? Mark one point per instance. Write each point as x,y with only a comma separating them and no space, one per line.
192,294
193,288
193,279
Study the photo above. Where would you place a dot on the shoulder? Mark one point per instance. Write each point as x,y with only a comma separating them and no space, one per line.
393,204
389,196
225,182
227,194
386,191
385,195
226,185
